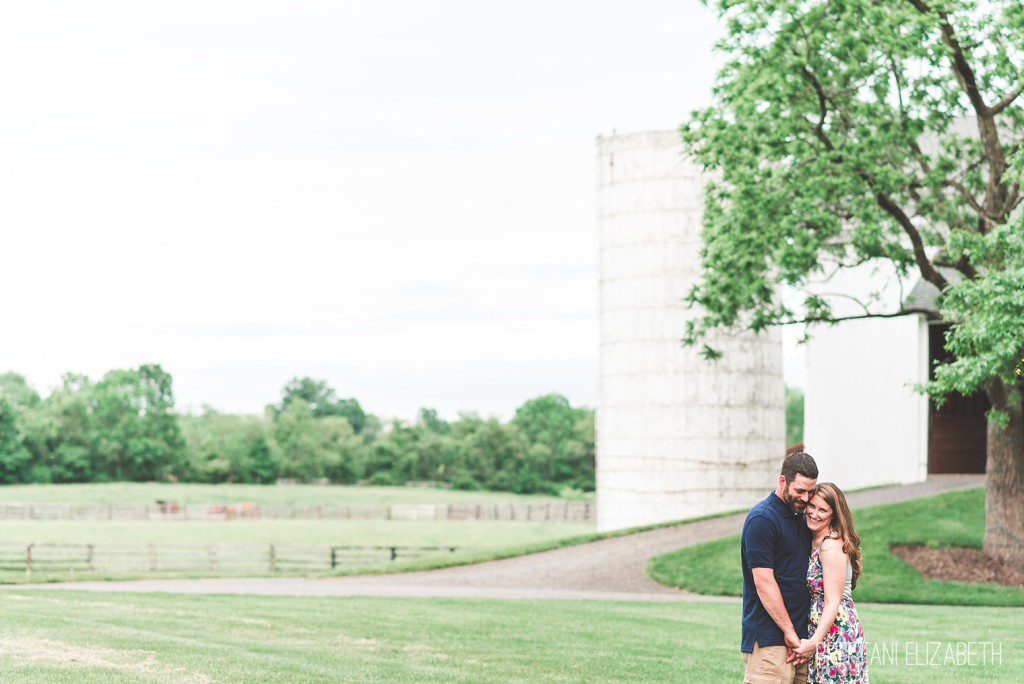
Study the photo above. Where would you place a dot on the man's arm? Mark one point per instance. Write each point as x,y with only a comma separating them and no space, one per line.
760,538
771,598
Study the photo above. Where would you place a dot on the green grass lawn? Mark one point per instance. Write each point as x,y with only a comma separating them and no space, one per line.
80,637
150,492
953,519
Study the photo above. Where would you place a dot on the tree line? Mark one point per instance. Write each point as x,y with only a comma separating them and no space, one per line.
124,427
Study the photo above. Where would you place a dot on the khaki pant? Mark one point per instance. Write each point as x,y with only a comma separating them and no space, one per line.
768,666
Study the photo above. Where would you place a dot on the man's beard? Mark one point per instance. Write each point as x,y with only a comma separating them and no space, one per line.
796,505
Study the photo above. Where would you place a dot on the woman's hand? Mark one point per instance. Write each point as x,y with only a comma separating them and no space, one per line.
806,648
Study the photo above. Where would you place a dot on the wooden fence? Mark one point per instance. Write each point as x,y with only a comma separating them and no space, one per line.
114,559
560,511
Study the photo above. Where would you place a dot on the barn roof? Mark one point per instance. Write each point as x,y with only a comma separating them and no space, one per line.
922,295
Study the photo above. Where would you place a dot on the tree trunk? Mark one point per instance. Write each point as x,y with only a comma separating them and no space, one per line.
1004,486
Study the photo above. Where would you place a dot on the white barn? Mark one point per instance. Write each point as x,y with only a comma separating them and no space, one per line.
678,436
863,422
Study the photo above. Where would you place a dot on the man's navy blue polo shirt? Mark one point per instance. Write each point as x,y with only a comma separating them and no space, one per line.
774,537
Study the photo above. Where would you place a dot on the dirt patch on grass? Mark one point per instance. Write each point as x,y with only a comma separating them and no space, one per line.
425,651
25,650
359,642
961,565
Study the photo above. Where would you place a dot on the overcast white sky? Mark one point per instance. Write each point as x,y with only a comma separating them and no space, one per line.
397,197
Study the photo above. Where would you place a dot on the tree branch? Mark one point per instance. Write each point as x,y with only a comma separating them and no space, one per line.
962,264
895,314
995,195
842,295
961,68
966,194
1013,198
1006,101
928,272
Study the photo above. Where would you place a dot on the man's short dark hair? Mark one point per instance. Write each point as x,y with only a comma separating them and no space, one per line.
799,462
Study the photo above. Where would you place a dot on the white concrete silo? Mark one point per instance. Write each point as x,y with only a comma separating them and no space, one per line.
677,436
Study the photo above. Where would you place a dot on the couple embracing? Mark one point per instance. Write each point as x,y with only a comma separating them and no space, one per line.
801,560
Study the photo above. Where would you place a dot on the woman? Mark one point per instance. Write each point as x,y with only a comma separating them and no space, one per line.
835,649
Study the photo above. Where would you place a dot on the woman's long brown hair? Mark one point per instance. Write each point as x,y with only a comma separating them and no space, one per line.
842,523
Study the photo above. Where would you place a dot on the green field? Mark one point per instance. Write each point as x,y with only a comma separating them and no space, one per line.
953,519
481,534
150,492
71,636
475,541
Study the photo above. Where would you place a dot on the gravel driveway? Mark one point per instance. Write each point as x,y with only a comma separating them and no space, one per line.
611,569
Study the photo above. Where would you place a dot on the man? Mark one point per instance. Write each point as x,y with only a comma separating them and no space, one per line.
774,549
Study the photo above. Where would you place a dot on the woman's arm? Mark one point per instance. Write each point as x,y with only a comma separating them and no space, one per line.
833,568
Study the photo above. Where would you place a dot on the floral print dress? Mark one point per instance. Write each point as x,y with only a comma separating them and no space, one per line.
841,656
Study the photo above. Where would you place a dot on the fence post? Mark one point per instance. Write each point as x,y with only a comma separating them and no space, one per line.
394,552
91,557
273,559
334,557
28,559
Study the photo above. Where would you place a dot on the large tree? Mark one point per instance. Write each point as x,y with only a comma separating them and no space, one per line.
59,433
226,447
846,132
15,388
312,448
560,439
13,456
322,401
135,430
